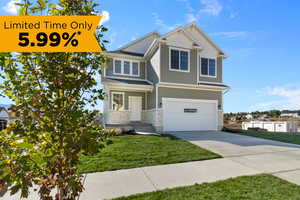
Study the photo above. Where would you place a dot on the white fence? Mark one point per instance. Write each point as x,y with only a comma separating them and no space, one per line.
276,126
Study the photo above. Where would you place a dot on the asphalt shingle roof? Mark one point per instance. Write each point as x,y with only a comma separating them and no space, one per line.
134,82
127,53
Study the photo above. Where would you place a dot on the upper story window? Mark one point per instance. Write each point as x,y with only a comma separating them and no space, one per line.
179,60
126,67
208,67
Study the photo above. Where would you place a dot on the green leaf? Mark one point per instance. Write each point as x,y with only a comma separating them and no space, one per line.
52,6
42,3
23,11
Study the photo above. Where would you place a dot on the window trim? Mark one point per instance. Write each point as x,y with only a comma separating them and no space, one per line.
189,60
114,66
216,67
112,98
131,68
122,67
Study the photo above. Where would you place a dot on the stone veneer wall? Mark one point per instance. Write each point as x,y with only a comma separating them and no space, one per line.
153,117
220,120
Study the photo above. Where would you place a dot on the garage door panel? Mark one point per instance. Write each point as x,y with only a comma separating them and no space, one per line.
175,119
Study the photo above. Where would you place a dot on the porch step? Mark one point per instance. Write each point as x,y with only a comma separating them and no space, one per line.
138,127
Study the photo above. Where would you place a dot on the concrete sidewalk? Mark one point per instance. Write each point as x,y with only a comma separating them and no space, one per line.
112,184
106,185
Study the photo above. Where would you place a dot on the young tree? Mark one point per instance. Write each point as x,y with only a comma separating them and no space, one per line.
51,92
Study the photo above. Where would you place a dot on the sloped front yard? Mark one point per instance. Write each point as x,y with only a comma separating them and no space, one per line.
259,187
131,151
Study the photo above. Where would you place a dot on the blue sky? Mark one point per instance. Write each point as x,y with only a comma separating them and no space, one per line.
260,36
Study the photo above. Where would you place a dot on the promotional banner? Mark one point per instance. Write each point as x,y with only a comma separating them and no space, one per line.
49,34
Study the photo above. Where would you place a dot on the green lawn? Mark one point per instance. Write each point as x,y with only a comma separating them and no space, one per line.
130,151
259,187
282,137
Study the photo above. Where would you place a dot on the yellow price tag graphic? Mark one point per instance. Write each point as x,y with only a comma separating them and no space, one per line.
49,34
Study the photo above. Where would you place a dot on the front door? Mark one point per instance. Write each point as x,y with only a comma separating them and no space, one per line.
135,108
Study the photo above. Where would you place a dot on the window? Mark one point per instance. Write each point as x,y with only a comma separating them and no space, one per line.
117,101
184,60
208,67
135,68
174,59
179,60
118,67
125,67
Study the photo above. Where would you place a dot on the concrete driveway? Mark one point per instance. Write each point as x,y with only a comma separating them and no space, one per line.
266,156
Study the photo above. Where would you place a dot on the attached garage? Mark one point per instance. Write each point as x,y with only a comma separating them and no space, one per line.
189,114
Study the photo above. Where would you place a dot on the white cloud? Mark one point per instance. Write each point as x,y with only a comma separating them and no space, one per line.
159,22
232,34
211,7
105,17
289,98
187,4
11,7
112,38
190,17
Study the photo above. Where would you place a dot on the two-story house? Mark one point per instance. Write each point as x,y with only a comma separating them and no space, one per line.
172,81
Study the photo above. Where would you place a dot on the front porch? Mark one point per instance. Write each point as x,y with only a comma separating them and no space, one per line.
129,102
122,118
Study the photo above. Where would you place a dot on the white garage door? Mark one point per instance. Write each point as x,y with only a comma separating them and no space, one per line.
189,115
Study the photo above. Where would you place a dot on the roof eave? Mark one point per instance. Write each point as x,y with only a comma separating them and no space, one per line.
125,86
123,55
199,87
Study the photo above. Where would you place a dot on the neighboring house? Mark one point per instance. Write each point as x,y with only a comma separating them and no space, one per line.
262,116
4,118
249,116
234,118
294,115
172,81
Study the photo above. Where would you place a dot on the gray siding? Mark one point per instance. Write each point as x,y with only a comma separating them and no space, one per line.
219,77
109,71
188,94
151,74
186,77
178,77
151,99
127,95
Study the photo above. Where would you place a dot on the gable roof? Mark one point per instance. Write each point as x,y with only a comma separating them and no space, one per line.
194,25
180,29
141,39
4,111
152,43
